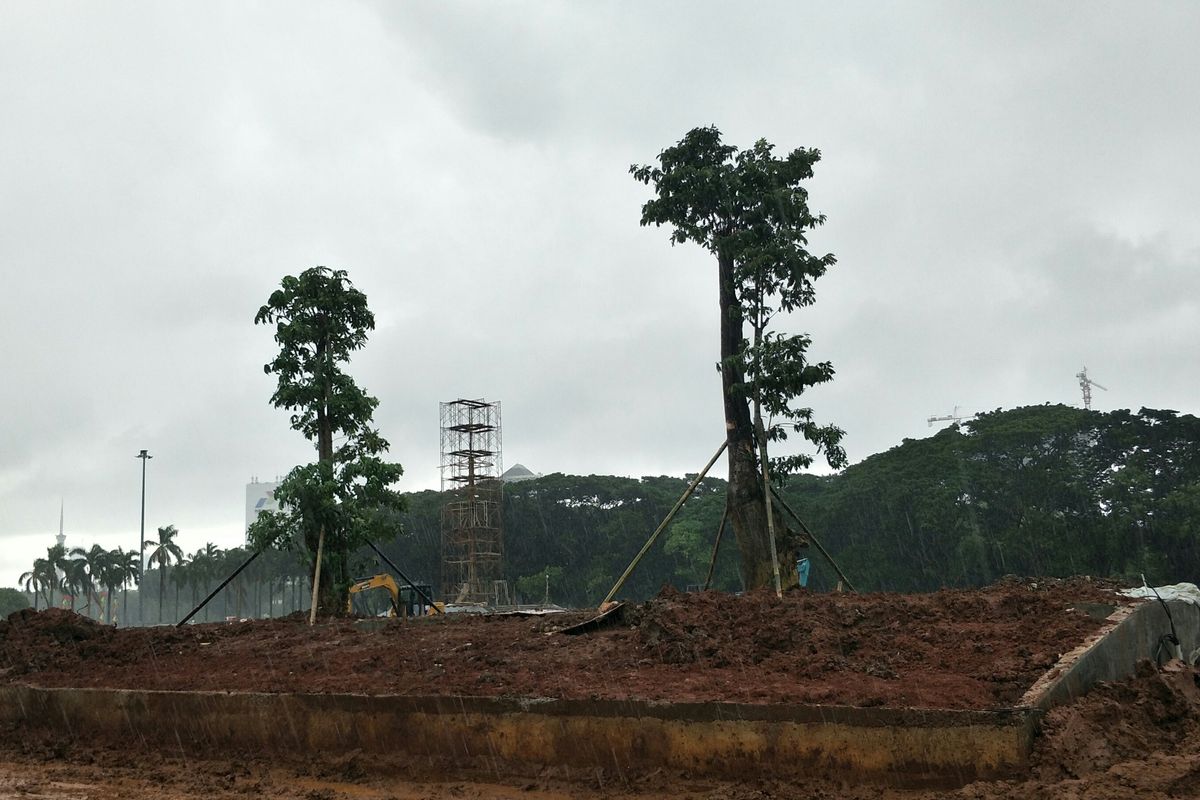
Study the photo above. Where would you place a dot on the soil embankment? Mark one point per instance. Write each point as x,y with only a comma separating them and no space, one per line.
956,649
1139,738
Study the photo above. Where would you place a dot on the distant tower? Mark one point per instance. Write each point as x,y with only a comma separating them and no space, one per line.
1086,384
472,540
62,537
953,417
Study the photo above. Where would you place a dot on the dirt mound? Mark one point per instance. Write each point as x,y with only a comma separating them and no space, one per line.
1139,737
1153,712
949,649
32,640
980,647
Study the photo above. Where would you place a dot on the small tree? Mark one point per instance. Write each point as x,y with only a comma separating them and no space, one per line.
11,600
331,506
748,209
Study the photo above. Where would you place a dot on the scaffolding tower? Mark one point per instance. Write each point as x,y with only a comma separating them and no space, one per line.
472,535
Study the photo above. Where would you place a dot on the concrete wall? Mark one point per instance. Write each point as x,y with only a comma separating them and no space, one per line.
896,747
1131,634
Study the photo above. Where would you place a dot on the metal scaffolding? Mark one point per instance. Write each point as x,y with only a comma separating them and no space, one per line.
472,535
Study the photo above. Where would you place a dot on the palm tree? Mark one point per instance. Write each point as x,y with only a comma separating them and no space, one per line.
77,579
41,581
129,568
29,583
234,558
56,557
181,576
94,559
164,552
111,575
204,565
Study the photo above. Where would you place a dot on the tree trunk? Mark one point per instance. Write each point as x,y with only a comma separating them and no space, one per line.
747,511
332,584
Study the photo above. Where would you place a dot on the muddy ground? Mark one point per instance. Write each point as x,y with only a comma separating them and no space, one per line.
1139,738
956,649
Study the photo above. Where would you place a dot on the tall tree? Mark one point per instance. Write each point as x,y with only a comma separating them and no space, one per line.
164,553
749,209
331,506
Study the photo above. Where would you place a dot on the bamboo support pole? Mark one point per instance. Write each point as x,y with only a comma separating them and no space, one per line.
662,526
316,583
214,592
712,564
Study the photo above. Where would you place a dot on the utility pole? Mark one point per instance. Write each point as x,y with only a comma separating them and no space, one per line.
144,456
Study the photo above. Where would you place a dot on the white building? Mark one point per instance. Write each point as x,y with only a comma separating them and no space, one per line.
517,473
260,497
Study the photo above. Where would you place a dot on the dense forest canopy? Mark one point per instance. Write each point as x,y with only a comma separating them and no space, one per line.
1040,490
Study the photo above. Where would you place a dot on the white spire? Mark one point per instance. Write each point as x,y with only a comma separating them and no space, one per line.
62,537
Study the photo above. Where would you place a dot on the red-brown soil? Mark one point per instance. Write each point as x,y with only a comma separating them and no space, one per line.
949,649
1139,738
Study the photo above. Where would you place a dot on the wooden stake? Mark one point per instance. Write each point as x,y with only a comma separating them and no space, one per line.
761,435
312,612
717,544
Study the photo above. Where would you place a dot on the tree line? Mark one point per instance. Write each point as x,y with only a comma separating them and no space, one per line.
98,583
1045,490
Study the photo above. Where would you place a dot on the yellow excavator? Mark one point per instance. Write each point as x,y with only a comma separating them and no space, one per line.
404,603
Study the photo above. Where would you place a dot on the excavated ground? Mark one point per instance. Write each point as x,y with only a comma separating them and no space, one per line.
957,649
1139,738
975,649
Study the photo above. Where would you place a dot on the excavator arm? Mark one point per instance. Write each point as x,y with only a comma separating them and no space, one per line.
383,581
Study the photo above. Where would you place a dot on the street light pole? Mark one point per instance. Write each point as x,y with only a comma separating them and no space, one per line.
144,456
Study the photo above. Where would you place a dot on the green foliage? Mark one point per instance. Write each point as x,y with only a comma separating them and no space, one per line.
320,319
750,208
12,600
1042,490
543,586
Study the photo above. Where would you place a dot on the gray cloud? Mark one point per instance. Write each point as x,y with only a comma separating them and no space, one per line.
1010,193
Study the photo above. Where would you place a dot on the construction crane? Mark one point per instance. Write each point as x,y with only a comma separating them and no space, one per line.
954,417
1086,384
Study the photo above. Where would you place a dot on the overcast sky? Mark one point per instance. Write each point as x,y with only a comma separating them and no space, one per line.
1011,192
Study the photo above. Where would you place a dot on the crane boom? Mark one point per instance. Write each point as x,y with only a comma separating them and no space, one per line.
1085,385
